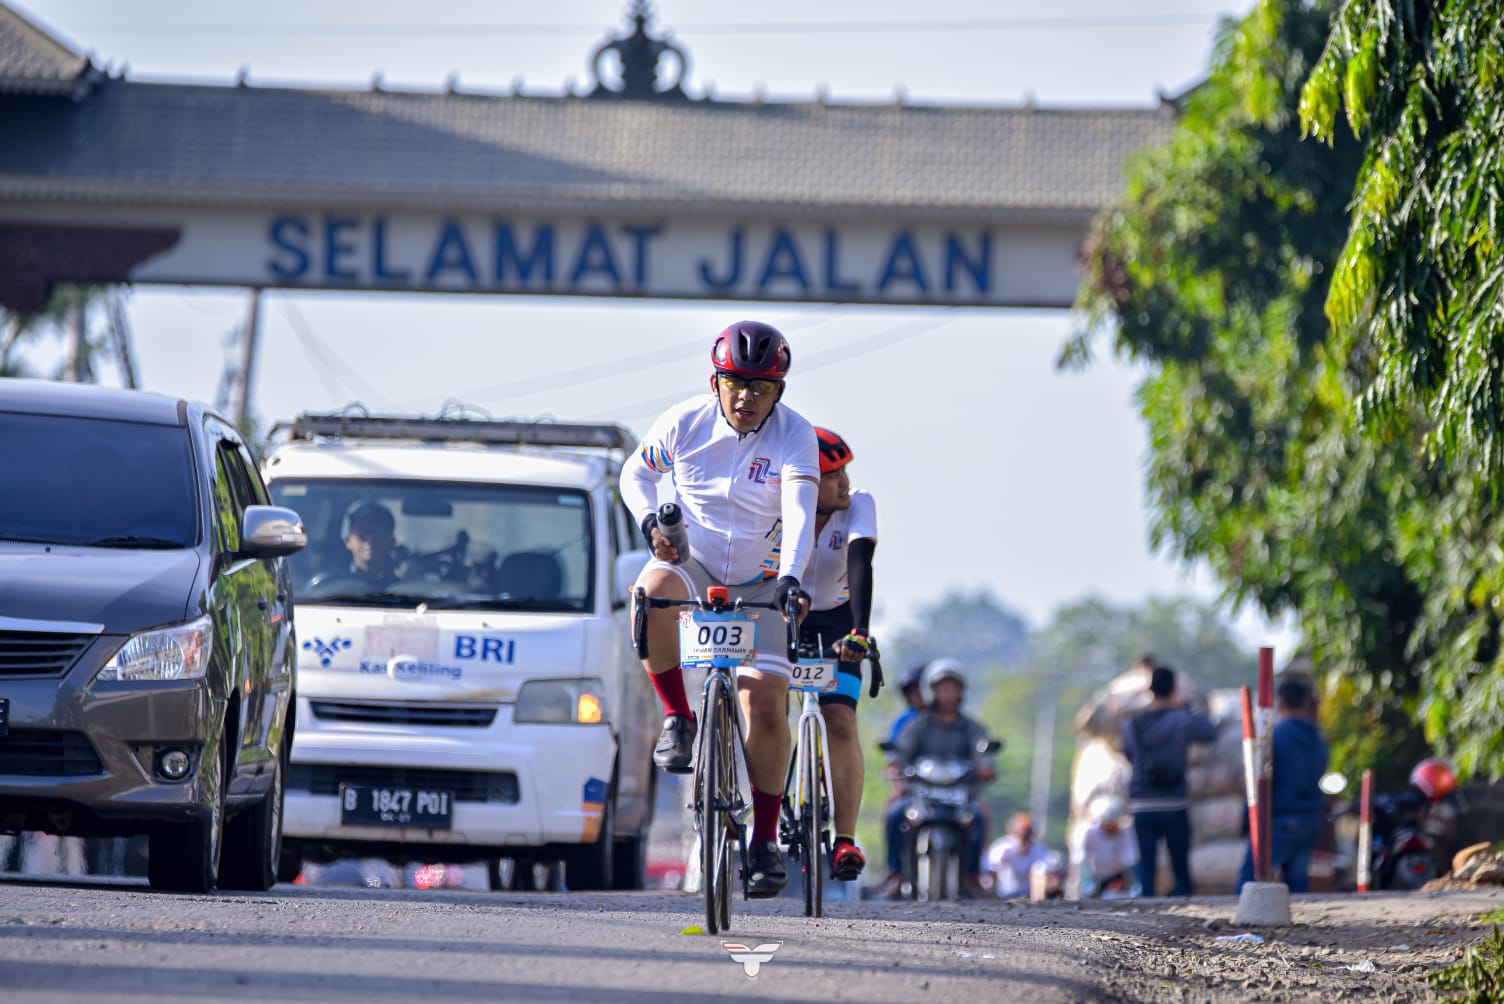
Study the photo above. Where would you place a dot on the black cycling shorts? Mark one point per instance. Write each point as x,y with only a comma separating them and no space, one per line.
829,627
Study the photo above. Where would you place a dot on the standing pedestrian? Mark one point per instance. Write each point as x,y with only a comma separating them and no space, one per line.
1155,742
1296,801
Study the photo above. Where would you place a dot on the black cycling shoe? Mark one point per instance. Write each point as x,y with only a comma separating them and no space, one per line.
768,875
676,744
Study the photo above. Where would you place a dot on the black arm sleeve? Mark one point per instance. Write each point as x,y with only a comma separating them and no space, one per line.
859,580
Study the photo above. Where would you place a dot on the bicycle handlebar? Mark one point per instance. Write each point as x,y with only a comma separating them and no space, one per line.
642,601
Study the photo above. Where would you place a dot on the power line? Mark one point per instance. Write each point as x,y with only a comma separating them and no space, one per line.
326,364
1082,22
609,369
817,360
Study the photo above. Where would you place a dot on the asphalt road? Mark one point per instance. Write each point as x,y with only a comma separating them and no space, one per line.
116,941
99,940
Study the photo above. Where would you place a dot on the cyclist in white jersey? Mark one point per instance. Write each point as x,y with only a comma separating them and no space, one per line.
839,583
746,472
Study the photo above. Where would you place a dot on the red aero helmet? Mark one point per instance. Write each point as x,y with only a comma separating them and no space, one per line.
1434,779
753,350
834,453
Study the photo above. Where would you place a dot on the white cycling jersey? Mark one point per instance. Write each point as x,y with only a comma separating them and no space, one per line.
825,578
748,500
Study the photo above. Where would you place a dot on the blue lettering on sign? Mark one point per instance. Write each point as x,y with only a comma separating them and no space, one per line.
378,256
903,263
595,256
640,237
735,268
485,649
451,252
335,248
833,281
540,256
285,230
980,268
783,262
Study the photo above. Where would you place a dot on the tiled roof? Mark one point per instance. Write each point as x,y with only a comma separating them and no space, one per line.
253,146
33,62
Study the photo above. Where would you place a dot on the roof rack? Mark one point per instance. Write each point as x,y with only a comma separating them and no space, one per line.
606,436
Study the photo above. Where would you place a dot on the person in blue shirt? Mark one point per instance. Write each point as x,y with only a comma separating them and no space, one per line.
914,694
1296,800
1155,741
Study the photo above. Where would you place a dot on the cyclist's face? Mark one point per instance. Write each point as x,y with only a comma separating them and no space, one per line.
835,491
746,403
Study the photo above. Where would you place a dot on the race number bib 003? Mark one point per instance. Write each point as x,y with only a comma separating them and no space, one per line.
810,674
707,639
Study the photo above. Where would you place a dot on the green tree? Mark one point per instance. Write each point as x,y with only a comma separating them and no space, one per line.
1214,272
1422,272
1192,637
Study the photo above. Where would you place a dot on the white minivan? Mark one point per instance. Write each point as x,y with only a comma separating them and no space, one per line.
467,689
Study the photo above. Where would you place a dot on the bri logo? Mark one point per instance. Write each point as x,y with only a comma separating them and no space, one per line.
837,538
759,470
326,650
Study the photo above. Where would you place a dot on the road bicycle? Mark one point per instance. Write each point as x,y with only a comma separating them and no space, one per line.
808,795
718,635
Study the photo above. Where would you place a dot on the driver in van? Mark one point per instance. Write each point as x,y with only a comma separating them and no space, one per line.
372,542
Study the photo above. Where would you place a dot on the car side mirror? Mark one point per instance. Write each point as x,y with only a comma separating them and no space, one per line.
629,565
269,531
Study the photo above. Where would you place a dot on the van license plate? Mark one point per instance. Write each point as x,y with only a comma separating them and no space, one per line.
4,716
415,807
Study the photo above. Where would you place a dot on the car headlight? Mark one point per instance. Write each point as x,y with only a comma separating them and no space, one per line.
180,652
561,701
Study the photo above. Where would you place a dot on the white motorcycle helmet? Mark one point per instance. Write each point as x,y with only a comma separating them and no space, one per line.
941,669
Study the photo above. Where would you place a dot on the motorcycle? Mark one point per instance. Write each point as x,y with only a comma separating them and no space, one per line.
1414,831
937,823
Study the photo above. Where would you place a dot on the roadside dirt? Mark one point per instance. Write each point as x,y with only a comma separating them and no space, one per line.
1153,950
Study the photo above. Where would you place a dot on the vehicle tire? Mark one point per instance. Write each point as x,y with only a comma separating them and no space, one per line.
291,864
589,867
496,874
939,868
629,869
253,839
184,856
1411,871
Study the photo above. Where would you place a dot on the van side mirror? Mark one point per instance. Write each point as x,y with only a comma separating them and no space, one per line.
629,565
269,531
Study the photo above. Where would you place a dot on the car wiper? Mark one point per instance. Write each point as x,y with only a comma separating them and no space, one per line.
495,601
145,543
374,599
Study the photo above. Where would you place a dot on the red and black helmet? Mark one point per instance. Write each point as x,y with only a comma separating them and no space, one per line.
753,350
834,453
1434,779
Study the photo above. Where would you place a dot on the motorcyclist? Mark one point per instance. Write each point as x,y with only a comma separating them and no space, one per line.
941,730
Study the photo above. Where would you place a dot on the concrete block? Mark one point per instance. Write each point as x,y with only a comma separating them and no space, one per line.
1263,904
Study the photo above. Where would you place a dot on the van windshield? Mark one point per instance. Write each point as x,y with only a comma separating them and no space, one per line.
96,482
404,543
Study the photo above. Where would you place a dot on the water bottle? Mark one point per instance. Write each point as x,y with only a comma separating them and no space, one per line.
671,525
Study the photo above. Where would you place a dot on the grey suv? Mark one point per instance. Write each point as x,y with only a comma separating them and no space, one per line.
147,654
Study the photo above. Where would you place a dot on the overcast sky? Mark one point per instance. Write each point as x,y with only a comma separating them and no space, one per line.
991,470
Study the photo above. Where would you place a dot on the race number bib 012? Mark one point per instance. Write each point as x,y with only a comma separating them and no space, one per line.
809,674
707,639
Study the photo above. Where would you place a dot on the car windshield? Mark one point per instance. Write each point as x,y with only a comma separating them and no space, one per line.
394,543
96,482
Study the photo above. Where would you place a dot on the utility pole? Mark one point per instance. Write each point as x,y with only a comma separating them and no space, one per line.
1046,710
78,343
241,405
122,336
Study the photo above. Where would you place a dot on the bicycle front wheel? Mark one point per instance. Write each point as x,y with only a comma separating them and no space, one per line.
812,824
716,768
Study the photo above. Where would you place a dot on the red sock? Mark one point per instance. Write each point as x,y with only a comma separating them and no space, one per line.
670,687
765,815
